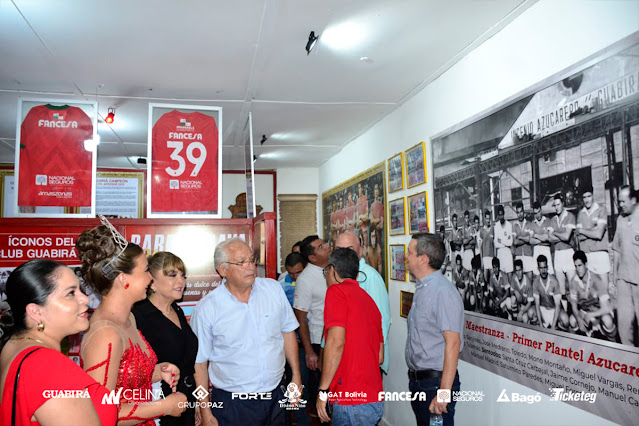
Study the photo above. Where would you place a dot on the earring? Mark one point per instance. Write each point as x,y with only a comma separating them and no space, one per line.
40,326
126,286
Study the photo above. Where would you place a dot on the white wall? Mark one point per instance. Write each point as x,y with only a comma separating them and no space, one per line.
547,38
298,180
235,183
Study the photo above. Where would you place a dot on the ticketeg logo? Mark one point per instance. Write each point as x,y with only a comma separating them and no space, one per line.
200,393
443,395
559,394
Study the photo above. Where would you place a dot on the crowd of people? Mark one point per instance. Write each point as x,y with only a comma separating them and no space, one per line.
561,272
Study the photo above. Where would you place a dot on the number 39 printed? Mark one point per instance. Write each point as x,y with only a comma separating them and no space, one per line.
196,161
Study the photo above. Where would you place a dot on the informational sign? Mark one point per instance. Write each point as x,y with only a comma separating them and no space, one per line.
596,376
120,194
194,244
53,164
24,243
185,161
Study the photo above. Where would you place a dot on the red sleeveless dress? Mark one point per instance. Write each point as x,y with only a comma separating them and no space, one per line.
48,370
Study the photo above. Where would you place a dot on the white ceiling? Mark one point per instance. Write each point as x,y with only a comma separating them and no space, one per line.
242,55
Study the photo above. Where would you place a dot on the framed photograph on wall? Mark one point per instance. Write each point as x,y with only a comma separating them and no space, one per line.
405,303
398,262
396,172
418,213
397,217
415,165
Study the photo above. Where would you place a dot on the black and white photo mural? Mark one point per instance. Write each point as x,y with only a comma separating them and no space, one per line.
538,197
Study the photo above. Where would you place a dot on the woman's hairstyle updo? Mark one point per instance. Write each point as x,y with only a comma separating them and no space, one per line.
101,263
31,282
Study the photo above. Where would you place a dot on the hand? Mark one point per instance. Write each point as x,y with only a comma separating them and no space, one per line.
437,407
311,360
170,374
321,409
174,404
581,324
207,417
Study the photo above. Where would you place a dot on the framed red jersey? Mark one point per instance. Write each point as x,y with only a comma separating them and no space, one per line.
184,161
53,165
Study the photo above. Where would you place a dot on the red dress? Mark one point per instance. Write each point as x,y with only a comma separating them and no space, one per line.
134,373
48,370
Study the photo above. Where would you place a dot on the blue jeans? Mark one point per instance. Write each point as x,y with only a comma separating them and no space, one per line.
420,408
357,415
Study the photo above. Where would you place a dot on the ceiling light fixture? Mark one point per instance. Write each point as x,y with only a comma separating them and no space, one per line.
254,158
312,40
110,116
141,160
264,139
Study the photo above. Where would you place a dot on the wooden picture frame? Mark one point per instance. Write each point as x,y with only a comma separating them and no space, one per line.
397,262
416,165
397,216
396,172
418,213
405,303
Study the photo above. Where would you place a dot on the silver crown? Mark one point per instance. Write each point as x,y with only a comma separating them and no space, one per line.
119,240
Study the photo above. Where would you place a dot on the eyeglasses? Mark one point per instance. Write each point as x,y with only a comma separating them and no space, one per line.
327,269
244,263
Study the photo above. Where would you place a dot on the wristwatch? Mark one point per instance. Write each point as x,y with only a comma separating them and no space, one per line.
323,394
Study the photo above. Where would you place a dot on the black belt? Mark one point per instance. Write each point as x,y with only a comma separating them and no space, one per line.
423,374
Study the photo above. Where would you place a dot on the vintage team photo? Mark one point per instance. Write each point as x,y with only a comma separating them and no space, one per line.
537,204
358,205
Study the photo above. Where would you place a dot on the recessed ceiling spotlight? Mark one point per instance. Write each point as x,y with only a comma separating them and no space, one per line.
264,139
366,60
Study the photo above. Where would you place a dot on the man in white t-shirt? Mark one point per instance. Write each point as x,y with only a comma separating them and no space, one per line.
308,304
503,237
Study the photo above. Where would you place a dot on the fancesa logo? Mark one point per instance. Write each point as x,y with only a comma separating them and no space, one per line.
115,396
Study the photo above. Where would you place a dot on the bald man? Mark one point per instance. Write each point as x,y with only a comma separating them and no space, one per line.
372,282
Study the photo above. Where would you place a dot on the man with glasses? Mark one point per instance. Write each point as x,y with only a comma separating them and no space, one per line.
435,330
308,304
354,347
246,331
373,284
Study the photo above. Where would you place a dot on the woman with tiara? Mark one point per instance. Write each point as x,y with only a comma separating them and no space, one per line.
113,351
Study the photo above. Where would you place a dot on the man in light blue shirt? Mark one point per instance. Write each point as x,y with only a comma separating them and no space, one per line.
246,331
372,283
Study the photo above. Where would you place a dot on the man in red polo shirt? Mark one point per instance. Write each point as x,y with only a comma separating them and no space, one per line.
350,375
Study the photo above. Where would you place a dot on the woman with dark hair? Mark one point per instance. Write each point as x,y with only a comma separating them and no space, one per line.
113,351
39,385
163,324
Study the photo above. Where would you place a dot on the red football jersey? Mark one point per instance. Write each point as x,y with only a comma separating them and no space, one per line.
55,169
184,163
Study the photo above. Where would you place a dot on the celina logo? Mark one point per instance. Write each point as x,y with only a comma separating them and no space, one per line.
112,398
58,116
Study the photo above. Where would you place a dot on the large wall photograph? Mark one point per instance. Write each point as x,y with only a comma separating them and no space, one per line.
359,205
532,197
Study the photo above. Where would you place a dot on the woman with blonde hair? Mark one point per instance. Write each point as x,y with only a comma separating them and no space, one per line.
162,322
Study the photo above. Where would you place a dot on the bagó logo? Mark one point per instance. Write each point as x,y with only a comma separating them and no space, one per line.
41,179
200,393
503,397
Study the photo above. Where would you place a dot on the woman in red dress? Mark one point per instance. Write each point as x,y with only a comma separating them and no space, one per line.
113,351
39,385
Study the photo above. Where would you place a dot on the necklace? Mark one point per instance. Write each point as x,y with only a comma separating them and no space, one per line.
29,338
